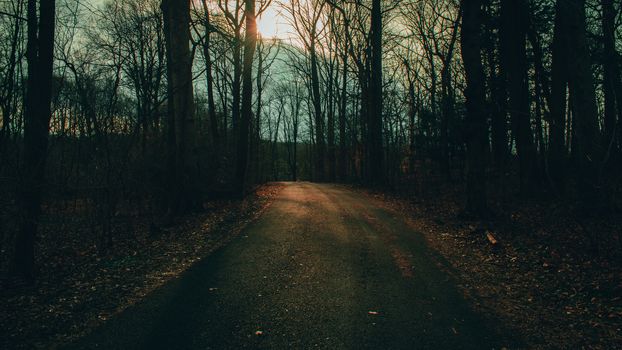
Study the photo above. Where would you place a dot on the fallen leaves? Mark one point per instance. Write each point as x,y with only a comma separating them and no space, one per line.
80,287
541,283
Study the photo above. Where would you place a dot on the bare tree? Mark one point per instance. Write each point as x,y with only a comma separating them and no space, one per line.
250,44
306,17
37,113
476,128
181,123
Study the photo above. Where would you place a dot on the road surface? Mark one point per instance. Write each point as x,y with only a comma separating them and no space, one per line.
323,267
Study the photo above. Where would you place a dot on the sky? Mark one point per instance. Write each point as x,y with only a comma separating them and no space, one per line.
271,24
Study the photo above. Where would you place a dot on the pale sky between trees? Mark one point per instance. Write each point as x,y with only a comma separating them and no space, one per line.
271,24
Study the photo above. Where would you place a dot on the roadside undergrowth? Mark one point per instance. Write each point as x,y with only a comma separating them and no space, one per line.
540,278
79,287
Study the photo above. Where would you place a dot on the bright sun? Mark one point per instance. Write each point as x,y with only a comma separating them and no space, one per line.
271,24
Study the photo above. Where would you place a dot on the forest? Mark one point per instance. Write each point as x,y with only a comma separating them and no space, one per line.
125,122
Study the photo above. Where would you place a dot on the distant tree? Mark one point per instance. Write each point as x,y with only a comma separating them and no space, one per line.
206,41
497,88
612,84
130,34
559,85
10,60
234,14
375,144
292,94
305,17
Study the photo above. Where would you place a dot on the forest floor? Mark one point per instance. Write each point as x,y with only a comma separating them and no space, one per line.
542,279
551,277
80,287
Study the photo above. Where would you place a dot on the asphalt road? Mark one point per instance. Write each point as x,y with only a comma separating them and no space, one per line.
323,267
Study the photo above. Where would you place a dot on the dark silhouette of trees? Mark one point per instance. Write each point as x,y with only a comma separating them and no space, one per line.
250,44
375,145
513,52
475,119
182,168
612,83
37,112
588,140
152,107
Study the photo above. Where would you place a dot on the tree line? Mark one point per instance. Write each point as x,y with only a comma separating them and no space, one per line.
153,106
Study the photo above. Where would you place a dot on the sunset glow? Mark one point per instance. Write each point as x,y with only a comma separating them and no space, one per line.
271,24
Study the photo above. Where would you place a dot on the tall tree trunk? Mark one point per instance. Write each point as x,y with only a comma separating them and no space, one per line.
559,91
446,117
589,150
376,149
183,176
211,104
498,97
447,100
412,114
37,114
250,44
237,78
7,105
542,96
475,121
343,106
330,132
256,127
611,74
514,16
320,147
342,117
498,106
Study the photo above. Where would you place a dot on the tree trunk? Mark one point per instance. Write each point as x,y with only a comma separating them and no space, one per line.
8,107
447,102
183,176
330,132
412,114
256,135
342,119
211,104
542,96
559,88
376,152
476,128
589,151
514,23
446,117
37,114
237,78
498,102
611,74
250,44
320,151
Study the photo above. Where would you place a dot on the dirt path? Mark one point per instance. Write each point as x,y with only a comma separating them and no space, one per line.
323,267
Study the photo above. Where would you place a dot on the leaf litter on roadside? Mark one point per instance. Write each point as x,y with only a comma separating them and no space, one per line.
80,287
530,267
